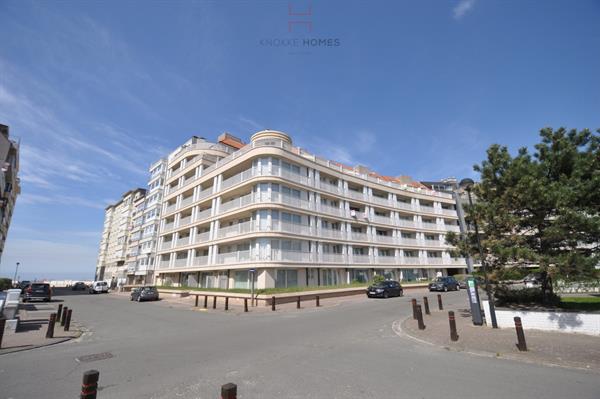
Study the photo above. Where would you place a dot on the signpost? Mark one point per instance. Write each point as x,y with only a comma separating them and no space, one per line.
252,271
473,294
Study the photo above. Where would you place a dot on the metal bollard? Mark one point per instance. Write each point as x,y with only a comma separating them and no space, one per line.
196,304
440,302
2,324
64,316
205,301
452,321
298,303
245,304
521,344
420,318
214,302
226,303
89,385
59,311
229,391
414,308
318,301
273,303
68,322
51,322
426,305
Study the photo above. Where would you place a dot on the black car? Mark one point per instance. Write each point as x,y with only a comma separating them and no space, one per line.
148,293
384,289
79,286
41,291
444,284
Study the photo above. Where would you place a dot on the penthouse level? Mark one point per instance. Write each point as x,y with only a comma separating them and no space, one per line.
296,219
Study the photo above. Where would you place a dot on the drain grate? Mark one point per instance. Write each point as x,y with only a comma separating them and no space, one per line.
94,357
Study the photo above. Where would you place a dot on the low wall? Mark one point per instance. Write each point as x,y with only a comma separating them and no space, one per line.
559,321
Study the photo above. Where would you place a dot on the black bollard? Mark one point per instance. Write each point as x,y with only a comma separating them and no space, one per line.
245,304
64,316
51,322
521,344
452,321
298,303
68,322
273,303
2,324
89,385
426,305
214,302
414,308
229,391
318,302
59,311
440,302
420,318
226,303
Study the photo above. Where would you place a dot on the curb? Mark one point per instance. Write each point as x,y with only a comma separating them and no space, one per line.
398,330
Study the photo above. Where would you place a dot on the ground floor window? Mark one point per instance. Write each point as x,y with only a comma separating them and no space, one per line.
240,279
359,275
330,277
286,278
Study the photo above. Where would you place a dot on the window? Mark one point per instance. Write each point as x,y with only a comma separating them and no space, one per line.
291,167
286,278
240,279
291,217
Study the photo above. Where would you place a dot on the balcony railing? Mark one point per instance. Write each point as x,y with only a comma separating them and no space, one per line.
387,260
164,264
204,194
429,225
202,237
236,229
180,262
366,259
362,237
169,226
185,221
356,194
452,227
183,241
331,188
450,212
410,260
202,215
405,223
409,241
433,260
381,219
186,201
170,208
332,258
404,205
234,257
384,239
166,245
200,261
331,210
332,233
427,208
380,200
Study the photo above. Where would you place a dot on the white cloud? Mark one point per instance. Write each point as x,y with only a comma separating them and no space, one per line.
58,199
463,7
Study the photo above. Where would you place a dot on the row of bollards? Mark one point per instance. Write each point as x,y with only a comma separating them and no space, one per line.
64,319
418,315
214,303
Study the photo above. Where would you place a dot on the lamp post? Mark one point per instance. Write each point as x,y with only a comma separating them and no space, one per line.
16,271
467,184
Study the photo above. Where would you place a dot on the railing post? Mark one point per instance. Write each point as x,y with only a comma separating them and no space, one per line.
196,303
245,304
214,302
440,302
426,305
420,318
521,344
298,303
317,300
414,308
226,303
50,330
273,303
229,391
64,316
452,321
89,385
205,301
59,311
68,321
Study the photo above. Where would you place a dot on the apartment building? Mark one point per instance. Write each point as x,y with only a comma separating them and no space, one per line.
9,182
143,235
276,214
115,235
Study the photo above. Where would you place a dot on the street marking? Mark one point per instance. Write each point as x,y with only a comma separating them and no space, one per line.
94,357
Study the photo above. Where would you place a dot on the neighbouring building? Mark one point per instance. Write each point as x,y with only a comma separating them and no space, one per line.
114,243
274,213
10,186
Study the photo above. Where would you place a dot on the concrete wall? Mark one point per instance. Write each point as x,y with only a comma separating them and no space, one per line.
570,322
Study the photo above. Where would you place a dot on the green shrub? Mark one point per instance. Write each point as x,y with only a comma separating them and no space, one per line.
5,284
524,296
378,279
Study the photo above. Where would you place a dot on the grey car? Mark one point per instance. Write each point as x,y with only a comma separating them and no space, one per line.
444,284
147,293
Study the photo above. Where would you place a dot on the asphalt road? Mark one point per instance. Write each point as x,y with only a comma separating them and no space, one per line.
346,351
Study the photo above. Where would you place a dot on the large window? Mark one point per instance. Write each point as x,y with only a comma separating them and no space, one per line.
286,278
240,279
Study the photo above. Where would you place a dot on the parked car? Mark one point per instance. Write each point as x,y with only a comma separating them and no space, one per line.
98,287
79,286
40,291
148,293
385,289
462,284
532,280
448,283
23,284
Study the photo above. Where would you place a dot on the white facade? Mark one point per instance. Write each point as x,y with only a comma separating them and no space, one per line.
294,218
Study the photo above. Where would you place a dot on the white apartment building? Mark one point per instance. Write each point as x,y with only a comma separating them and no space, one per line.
144,228
274,213
9,181
115,235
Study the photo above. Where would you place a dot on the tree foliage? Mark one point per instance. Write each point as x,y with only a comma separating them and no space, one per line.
542,208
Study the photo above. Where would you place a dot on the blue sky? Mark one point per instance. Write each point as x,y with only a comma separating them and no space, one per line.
96,91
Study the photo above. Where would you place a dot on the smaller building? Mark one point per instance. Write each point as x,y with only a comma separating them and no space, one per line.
9,181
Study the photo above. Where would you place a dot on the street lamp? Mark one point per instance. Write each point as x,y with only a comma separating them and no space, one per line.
467,185
16,271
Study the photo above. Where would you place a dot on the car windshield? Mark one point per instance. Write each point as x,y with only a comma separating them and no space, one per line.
39,286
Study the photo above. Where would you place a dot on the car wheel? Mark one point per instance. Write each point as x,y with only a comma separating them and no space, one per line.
386,295
139,299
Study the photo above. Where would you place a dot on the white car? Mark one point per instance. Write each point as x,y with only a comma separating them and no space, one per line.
98,287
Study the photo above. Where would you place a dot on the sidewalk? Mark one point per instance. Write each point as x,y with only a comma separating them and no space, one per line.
33,325
549,348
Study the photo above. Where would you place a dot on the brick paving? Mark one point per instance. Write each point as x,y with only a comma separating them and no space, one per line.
550,348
